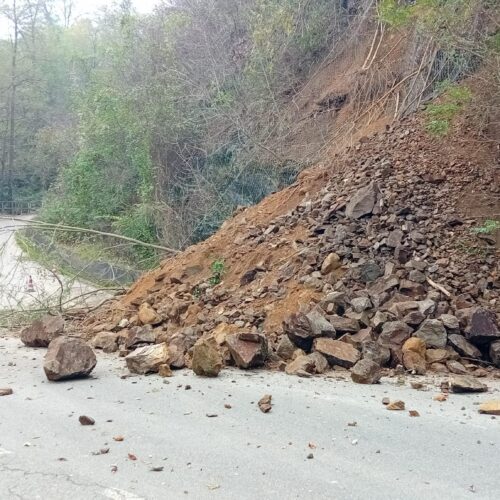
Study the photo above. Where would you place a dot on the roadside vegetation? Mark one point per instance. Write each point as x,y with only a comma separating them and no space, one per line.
158,127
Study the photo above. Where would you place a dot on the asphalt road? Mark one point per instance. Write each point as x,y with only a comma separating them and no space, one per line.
361,450
16,270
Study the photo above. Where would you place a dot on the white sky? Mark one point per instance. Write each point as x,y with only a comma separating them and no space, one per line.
88,7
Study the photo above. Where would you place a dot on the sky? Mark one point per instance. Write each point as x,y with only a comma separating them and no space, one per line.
88,7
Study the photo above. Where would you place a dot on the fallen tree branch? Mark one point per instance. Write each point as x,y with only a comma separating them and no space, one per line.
72,229
439,287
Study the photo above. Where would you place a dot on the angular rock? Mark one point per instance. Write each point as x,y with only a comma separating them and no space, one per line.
337,352
320,363
165,371
450,322
394,238
396,405
285,348
248,350
436,355
394,334
376,352
414,318
6,391
107,341
433,333
495,353
370,272
68,358
463,347
301,366
342,324
147,359
140,335
302,329
42,331
207,359
490,407
456,367
483,328
147,315
331,262
366,371
465,383
361,304
363,202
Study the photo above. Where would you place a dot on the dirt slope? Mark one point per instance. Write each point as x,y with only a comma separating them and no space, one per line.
414,243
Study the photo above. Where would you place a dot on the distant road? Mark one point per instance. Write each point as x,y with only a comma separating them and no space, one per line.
16,292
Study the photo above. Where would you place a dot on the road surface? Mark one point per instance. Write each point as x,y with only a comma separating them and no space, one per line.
360,449
16,271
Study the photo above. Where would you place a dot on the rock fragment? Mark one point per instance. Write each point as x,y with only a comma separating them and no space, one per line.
248,350
337,352
207,359
265,404
366,371
42,331
147,359
465,383
68,358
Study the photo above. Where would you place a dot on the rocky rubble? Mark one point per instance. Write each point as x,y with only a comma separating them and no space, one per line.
377,268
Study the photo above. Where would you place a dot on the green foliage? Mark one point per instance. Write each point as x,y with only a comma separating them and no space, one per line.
393,13
488,227
218,269
441,114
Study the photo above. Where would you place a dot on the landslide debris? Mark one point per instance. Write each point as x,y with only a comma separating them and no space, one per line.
366,263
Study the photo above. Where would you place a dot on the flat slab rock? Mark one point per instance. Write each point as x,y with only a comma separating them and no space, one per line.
337,352
464,383
68,358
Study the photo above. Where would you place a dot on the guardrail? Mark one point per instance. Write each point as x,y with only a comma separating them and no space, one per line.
17,207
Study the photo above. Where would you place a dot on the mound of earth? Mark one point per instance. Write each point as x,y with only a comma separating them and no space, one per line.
372,260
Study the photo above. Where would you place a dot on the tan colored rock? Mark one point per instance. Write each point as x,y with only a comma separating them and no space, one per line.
490,407
331,262
337,352
414,362
301,366
68,358
248,350
6,391
107,341
147,359
165,371
396,405
456,367
42,331
436,355
416,345
207,359
147,315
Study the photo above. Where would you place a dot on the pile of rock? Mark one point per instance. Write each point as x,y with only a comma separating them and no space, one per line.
378,268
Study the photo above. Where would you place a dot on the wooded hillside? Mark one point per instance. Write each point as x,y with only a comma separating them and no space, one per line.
158,127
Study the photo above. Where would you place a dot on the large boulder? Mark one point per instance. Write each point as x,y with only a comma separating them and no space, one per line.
337,352
285,348
68,358
308,364
147,359
366,371
207,359
394,334
302,329
363,202
433,332
463,347
248,350
42,331
483,328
